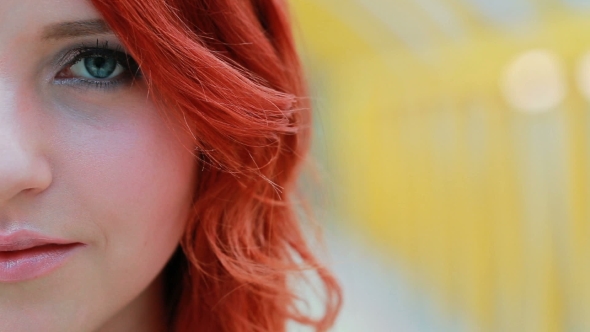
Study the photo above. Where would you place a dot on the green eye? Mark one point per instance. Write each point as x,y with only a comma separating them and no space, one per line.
97,67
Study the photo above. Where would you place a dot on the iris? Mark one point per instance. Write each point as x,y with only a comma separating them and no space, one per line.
100,66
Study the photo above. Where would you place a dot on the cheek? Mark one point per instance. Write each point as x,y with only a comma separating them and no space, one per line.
132,180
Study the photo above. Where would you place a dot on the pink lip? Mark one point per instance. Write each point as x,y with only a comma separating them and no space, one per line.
26,255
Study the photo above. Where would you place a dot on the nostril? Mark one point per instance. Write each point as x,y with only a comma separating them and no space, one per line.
30,190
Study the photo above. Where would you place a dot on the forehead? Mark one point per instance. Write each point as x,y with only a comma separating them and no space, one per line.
27,18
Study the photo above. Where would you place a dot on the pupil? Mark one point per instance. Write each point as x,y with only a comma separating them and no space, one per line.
100,67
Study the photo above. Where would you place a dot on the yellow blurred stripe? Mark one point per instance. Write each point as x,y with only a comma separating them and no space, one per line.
412,174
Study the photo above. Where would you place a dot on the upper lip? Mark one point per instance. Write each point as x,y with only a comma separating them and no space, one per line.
21,240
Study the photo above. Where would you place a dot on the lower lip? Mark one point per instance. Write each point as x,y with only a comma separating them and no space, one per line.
21,265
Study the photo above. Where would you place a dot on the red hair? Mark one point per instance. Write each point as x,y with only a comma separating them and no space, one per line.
229,70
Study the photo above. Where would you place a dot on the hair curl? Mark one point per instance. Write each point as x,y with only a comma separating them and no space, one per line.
230,71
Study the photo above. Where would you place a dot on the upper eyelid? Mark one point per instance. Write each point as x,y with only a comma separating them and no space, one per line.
72,55
84,53
70,50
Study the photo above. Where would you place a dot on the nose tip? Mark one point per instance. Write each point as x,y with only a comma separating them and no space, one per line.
21,171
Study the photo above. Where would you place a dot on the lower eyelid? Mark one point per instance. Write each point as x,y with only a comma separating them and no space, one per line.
79,83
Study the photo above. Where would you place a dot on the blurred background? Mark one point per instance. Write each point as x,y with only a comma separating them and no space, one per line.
453,141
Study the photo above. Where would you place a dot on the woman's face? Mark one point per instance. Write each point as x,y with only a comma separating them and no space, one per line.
94,185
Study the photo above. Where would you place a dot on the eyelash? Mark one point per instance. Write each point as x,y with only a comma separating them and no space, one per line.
73,56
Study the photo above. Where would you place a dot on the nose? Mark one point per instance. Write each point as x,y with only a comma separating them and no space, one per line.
24,170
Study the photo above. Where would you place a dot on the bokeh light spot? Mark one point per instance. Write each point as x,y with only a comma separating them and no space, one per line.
534,82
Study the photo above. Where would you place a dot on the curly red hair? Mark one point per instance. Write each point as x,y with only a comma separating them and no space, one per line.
230,71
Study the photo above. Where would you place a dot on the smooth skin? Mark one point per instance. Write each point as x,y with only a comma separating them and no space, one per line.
89,162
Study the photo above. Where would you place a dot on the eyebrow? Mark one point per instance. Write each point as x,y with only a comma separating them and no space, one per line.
75,29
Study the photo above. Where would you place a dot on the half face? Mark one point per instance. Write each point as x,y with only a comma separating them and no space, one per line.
95,185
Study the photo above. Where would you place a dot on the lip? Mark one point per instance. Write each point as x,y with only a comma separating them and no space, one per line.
26,255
